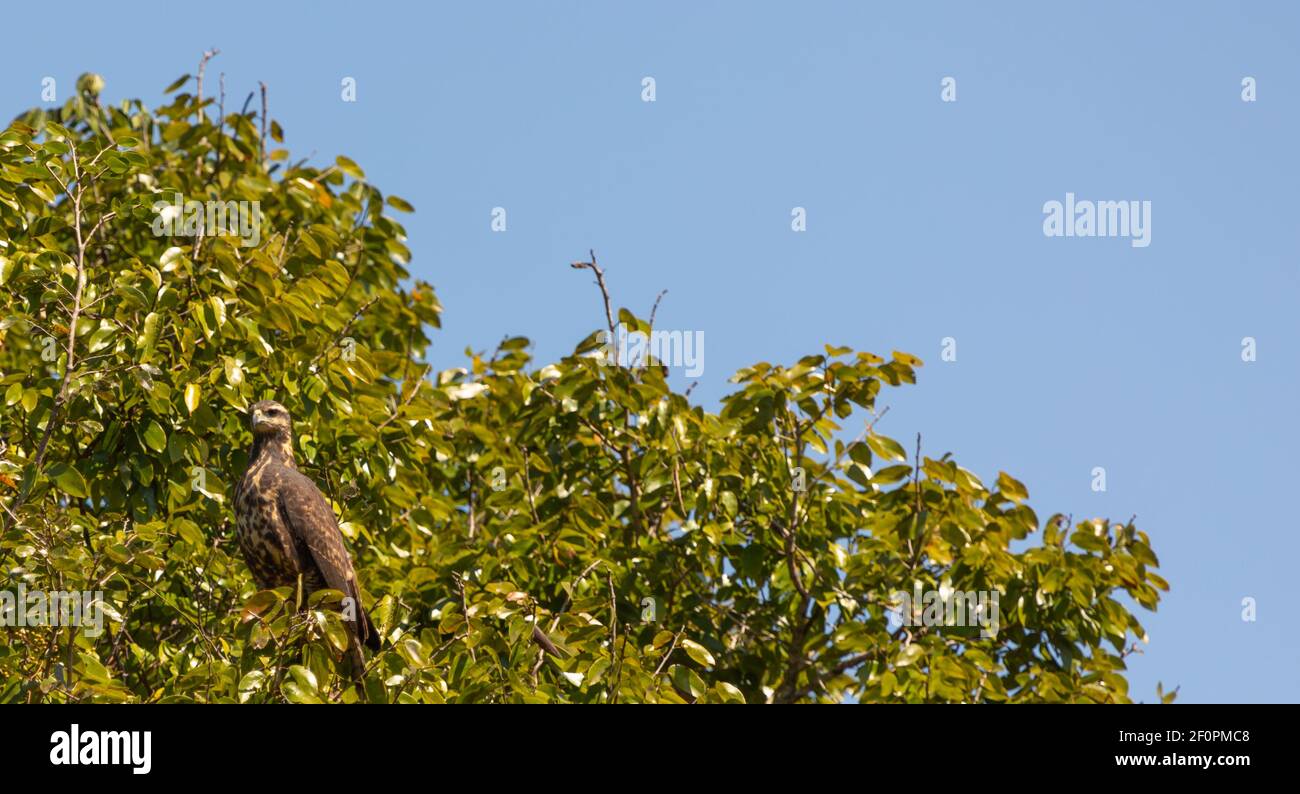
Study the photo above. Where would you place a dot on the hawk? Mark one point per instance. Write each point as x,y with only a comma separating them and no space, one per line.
287,529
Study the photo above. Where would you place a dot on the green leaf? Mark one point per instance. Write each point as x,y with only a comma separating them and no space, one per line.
260,604
399,204
909,655
350,168
177,83
728,693
68,480
192,393
335,631
885,447
698,652
295,692
251,683
154,436
1012,488
686,681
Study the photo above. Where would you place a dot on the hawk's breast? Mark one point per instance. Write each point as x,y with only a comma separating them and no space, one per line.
263,538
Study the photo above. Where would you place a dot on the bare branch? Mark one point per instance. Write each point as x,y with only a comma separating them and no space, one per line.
203,67
604,294
261,141
654,309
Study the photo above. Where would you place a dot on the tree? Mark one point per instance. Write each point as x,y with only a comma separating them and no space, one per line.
673,554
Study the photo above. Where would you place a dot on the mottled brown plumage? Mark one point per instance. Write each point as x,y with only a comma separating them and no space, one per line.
287,529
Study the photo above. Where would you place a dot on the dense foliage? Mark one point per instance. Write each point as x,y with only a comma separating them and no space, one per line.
667,550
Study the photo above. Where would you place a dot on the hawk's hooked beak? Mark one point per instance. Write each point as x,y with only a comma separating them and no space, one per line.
258,418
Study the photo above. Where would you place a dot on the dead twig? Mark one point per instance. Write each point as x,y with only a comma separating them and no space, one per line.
604,293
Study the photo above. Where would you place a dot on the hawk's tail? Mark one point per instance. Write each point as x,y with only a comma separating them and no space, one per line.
358,664
369,634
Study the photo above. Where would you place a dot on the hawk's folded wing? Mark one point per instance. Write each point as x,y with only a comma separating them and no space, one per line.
312,523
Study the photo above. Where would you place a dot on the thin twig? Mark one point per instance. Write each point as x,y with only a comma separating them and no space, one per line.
464,605
203,67
261,141
410,395
343,331
671,646
469,478
528,487
198,161
613,634
604,294
654,309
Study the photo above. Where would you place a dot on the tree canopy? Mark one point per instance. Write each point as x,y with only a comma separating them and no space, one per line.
673,554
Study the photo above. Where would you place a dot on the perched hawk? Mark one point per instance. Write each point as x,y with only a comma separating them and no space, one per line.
287,529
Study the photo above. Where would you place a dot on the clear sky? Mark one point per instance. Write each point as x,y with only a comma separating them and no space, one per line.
924,221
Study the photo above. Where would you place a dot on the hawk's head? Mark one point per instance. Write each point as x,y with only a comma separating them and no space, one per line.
270,420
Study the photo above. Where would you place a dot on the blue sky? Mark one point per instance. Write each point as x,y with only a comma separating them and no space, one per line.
924,221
